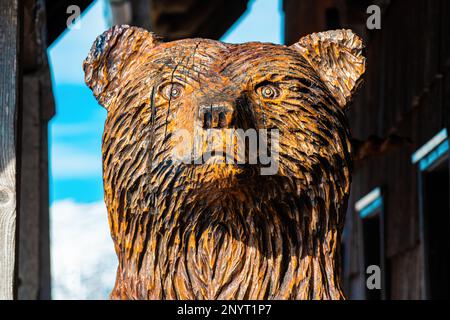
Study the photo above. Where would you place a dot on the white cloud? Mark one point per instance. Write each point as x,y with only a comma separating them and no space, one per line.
68,161
83,259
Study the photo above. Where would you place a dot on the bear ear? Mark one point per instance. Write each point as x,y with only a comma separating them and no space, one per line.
112,54
337,56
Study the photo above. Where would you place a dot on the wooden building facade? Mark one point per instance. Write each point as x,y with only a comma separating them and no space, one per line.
407,92
406,229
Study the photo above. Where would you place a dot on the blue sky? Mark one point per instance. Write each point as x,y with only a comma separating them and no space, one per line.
83,259
263,21
75,131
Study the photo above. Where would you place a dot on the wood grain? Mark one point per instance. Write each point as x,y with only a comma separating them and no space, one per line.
9,84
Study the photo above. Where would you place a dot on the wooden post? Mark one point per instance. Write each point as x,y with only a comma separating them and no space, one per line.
9,93
37,107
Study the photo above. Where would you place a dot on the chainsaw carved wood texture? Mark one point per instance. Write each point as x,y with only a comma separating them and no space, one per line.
215,230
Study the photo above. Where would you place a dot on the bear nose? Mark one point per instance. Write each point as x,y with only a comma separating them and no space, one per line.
216,116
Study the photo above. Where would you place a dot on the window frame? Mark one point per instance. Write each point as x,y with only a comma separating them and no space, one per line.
430,156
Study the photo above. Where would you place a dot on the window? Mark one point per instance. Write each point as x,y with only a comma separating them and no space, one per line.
434,180
371,213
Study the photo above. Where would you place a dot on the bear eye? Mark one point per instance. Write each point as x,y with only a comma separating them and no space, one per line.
268,91
172,90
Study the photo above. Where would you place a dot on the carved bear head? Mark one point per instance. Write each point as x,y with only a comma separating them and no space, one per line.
179,226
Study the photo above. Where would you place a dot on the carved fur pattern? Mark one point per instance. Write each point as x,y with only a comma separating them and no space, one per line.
220,231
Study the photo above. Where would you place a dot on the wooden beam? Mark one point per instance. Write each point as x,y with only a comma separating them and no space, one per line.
194,18
9,90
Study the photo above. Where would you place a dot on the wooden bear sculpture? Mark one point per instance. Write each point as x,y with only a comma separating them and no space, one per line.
221,230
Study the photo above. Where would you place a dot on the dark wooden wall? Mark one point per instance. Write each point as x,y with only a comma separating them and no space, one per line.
407,83
407,92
